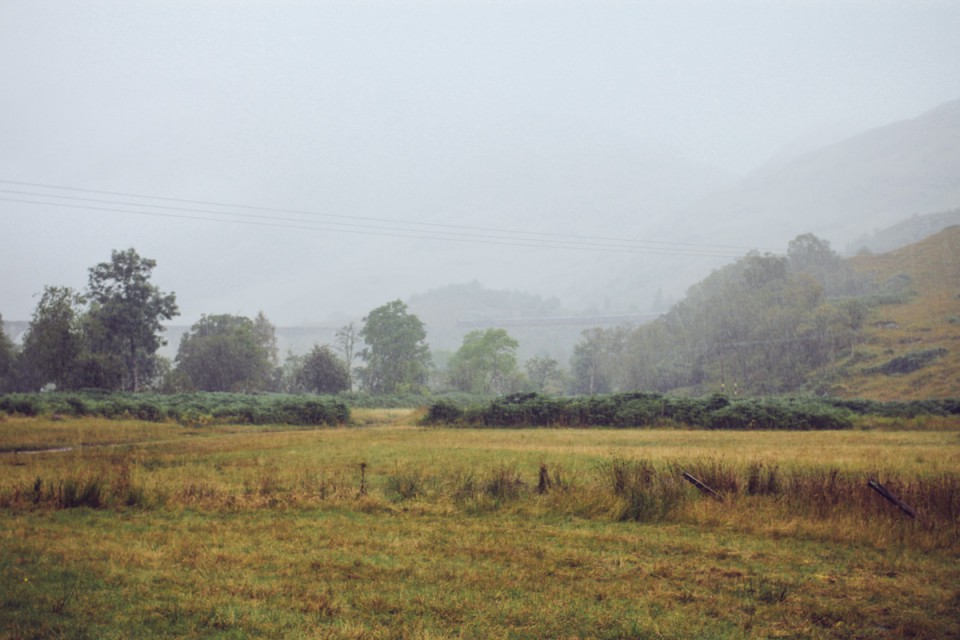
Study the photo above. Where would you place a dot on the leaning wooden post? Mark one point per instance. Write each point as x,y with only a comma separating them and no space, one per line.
699,485
892,499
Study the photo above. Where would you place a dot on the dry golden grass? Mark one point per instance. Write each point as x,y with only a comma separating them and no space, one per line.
442,533
385,417
27,434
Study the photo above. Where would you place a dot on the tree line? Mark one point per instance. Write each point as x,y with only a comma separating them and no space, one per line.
107,337
759,325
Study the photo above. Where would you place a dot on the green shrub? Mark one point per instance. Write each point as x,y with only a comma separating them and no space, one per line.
649,409
19,405
778,414
443,412
77,406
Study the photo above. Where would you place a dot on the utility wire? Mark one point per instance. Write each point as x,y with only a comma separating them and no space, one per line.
420,230
367,218
578,243
380,231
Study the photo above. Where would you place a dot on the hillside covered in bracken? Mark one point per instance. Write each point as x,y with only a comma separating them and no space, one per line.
910,344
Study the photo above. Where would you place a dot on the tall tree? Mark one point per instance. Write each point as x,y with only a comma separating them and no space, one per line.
53,342
396,354
347,338
7,355
589,364
266,335
485,362
544,374
323,372
225,353
812,255
130,309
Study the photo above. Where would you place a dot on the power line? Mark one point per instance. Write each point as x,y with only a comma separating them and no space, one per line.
375,231
343,226
367,218
357,224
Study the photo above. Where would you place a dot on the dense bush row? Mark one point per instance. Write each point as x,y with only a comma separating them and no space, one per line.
191,409
518,410
648,409
898,409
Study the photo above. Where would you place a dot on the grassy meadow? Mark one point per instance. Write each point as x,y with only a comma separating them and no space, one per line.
385,529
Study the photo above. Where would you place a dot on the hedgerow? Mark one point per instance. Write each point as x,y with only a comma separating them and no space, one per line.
633,410
187,408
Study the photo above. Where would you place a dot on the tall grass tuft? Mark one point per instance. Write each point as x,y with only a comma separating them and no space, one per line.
85,491
404,485
762,480
504,484
717,474
642,493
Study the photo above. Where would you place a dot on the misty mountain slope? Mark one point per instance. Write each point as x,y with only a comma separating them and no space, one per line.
913,229
553,184
839,192
843,190
511,211
910,349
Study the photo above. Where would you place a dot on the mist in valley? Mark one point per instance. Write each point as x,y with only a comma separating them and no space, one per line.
314,161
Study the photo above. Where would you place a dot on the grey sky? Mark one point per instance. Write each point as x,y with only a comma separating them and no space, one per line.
413,111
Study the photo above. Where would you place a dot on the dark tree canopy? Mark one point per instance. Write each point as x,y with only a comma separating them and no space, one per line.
226,353
130,310
323,372
396,355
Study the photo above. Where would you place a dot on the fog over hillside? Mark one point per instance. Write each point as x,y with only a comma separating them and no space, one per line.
315,160
841,192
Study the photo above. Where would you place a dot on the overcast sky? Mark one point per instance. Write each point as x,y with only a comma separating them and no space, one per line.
382,114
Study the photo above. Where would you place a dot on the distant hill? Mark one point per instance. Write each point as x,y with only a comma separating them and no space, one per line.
910,349
451,312
841,192
914,229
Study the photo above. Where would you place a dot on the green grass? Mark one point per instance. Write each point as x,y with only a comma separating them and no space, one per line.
248,532
344,573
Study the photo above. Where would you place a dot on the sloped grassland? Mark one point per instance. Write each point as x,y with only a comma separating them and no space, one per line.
910,347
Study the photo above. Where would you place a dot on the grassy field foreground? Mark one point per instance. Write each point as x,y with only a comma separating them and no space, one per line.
394,531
